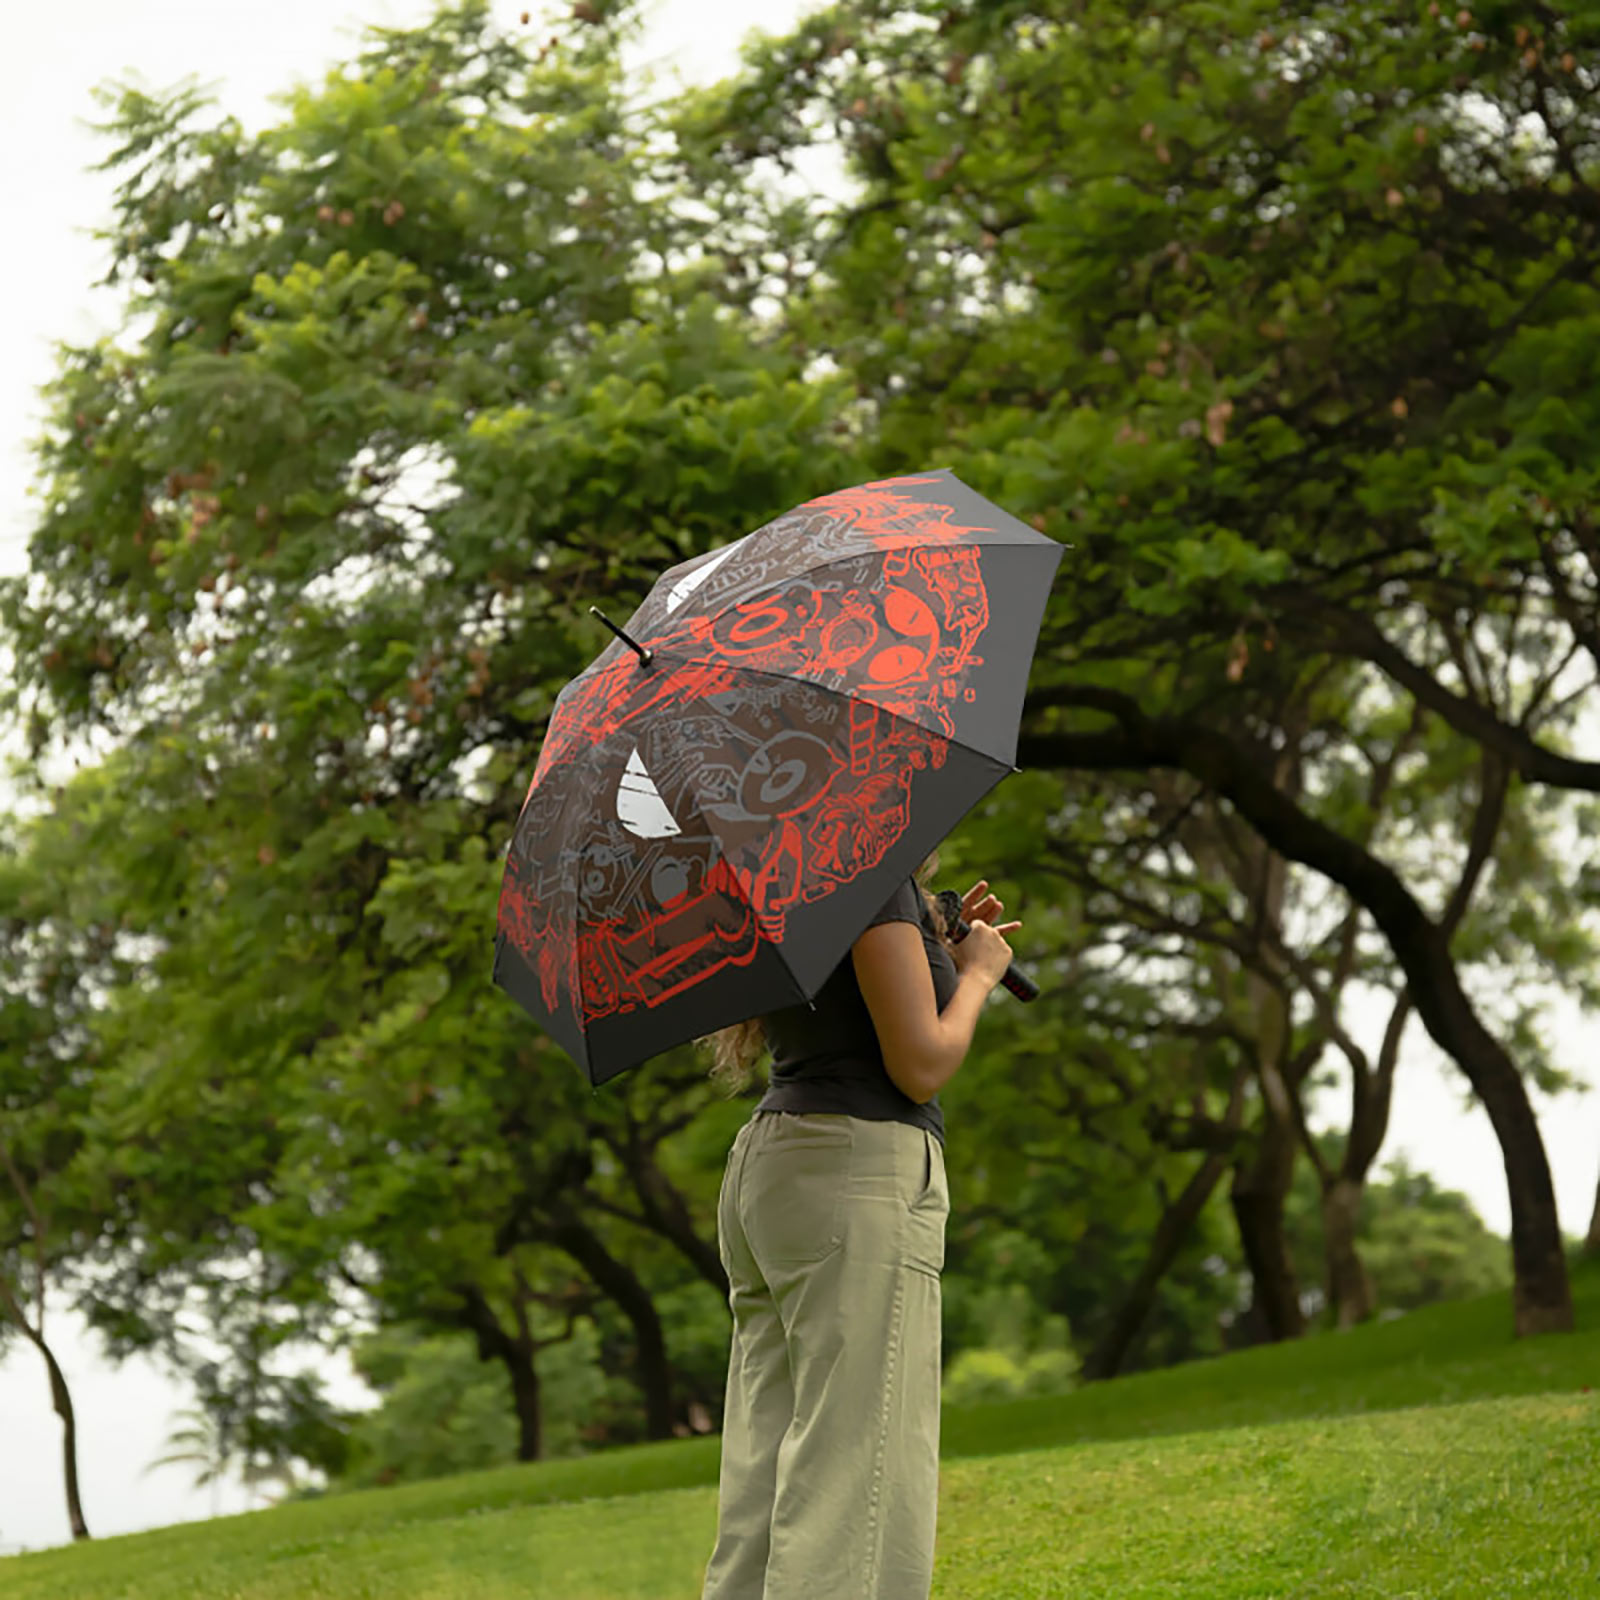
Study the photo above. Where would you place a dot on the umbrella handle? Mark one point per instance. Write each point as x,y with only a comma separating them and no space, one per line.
1014,978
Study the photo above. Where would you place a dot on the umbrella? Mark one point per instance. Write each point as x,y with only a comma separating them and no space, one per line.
784,729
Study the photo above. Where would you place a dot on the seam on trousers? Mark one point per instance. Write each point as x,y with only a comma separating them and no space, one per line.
874,1535
738,1182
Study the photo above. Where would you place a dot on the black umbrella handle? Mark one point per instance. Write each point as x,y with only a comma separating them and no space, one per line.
955,925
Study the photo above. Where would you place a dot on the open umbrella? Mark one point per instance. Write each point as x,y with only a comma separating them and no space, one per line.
783,730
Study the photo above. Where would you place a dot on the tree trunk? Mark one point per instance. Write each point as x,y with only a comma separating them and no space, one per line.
1261,1182
1350,1293
69,1439
517,1353
1111,1349
60,1395
1542,1294
618,1281
526,1395
1591,1245
1352,1296
1257,1198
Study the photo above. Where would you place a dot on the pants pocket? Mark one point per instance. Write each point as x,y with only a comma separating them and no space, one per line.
928,1210
795,1189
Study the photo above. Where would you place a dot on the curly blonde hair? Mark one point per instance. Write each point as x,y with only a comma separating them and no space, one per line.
737,1049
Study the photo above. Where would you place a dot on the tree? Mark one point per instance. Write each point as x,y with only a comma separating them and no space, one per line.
1077,1122
263,1428
51,964
15,1299
1419,1243
422,373
1405,784
456,350
441,1410
1250,309
204,1443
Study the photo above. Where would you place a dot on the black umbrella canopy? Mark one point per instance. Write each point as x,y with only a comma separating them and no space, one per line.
709,829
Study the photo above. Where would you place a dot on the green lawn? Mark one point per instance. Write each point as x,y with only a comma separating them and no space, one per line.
1429,1457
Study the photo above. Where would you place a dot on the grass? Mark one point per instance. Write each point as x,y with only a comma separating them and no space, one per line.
1430,1458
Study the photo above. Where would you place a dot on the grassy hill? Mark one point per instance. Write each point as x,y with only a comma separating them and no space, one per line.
1432,1456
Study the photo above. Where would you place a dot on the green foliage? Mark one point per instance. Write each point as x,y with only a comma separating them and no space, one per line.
1025,1353
441,1411
263,1431
1204,292
1425,1244
418,384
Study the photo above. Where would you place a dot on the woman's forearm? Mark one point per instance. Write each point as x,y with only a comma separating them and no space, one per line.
957,1023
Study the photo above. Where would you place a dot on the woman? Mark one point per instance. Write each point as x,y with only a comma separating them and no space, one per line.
831,1227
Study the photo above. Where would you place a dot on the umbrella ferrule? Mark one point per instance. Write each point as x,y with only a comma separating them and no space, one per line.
645,654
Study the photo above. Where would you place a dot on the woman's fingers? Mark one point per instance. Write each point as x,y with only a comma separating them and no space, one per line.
974,903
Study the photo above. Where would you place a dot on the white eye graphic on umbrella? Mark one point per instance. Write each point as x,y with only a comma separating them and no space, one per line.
682,588
640,808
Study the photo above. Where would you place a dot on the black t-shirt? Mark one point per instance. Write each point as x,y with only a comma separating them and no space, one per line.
826,1056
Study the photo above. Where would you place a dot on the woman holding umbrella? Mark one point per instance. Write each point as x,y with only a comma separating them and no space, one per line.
831,1227
723,822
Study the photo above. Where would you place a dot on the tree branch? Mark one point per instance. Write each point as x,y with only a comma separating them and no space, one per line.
1359,637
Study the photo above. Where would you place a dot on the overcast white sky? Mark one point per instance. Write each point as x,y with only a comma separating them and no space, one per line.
51,201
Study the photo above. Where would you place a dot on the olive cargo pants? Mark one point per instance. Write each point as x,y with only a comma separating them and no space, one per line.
831,1230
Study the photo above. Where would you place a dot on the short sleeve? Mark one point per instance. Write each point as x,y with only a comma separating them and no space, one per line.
904,905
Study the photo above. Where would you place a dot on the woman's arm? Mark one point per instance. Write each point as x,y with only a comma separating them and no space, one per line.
923,1048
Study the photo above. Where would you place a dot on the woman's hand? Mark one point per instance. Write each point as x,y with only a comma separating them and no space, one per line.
977,904
985,951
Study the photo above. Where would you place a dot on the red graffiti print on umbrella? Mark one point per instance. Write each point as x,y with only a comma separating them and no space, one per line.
781,731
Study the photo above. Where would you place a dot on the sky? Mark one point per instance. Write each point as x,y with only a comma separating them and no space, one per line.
48,190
